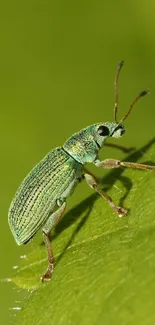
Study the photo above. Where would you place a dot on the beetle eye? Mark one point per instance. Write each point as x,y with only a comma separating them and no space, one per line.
103,130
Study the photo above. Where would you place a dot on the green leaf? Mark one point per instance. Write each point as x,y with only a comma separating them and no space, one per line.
104,265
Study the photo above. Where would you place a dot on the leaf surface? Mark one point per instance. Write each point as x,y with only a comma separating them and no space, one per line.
104,265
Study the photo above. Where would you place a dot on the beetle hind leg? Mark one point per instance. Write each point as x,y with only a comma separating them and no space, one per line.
51,222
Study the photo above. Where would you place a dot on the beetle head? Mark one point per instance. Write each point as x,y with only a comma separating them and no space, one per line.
83,146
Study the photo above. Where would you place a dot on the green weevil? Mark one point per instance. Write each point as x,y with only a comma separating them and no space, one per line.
40,201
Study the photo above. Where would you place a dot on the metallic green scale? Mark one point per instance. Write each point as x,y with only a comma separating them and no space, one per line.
39,194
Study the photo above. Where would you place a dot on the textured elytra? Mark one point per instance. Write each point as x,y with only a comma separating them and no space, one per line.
37,195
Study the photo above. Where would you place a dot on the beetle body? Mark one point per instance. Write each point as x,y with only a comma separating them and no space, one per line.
53,179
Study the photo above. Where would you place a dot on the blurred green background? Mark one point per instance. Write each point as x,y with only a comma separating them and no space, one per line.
57,65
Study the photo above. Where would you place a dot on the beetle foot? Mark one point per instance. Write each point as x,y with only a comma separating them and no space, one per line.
47,276
121,212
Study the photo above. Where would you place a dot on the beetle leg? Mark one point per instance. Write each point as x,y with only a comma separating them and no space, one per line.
114,163
91,181
51,222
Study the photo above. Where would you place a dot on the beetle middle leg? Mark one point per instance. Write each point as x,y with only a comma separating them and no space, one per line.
91,181
51,222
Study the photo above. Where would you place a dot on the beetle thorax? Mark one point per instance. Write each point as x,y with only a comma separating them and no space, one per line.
82,147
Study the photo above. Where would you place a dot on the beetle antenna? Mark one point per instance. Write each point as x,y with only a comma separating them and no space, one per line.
120,65
143,93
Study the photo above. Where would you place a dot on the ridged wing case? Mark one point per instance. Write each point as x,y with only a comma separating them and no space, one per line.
37,195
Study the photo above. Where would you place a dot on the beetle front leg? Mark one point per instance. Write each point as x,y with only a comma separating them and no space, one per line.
51,222
91,181
113,163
